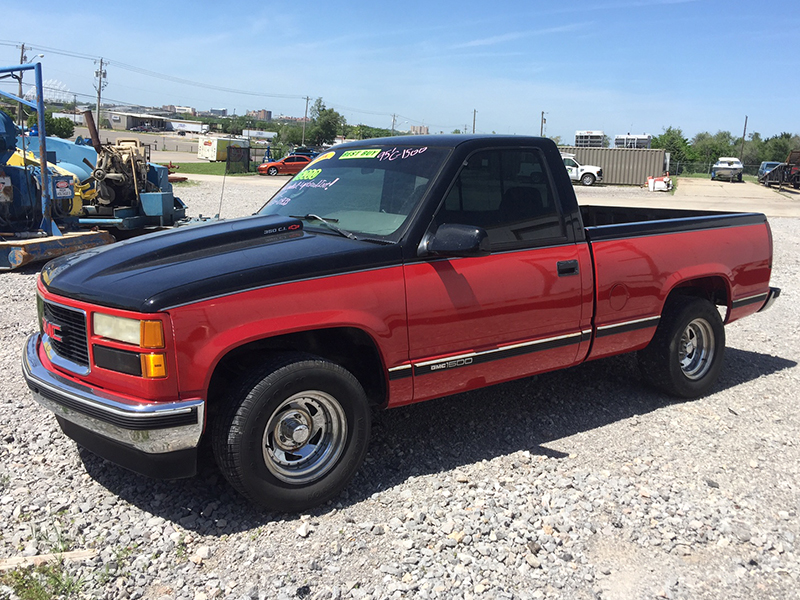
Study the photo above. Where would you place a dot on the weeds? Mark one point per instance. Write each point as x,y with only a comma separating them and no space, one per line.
43,582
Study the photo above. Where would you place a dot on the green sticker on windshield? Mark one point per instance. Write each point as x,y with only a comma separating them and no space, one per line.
360,154
307,174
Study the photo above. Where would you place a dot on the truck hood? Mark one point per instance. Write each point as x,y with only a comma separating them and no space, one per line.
193,263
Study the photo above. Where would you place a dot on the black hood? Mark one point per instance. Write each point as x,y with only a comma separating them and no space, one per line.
192,263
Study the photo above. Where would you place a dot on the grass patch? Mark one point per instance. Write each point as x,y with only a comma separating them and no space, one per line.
208,168
43,582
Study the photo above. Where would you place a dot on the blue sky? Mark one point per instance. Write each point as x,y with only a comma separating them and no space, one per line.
621,66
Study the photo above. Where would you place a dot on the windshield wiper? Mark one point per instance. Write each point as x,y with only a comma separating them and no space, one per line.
329,223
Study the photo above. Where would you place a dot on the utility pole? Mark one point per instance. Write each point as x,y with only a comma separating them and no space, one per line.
99,86
474,113
394,117
22,59
305,118
744,133
541,125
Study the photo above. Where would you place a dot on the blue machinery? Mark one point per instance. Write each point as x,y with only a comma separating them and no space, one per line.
47,224
54,203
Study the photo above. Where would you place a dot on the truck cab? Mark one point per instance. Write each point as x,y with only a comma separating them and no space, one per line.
586,174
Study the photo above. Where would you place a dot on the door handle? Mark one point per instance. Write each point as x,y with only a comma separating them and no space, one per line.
567,268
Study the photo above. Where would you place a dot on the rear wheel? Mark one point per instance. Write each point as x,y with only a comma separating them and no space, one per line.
684,358
587,179
293,433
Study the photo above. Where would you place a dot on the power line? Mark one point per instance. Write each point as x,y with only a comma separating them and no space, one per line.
203,85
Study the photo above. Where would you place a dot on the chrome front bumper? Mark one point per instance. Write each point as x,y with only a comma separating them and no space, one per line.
151,428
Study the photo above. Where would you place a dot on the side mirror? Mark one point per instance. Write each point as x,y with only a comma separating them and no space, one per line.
453,239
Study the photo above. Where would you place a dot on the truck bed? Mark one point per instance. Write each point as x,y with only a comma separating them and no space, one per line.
612,222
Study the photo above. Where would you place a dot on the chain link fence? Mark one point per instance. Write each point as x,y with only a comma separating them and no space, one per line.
692,168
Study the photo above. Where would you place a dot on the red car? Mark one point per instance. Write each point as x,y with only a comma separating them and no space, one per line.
288,165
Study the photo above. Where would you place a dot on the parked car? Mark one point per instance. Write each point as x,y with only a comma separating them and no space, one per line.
586,174
727,167
769,173
394,271
305,150
766,167
288,165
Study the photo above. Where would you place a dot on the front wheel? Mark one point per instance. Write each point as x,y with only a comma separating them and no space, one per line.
587,179
684,358
272,171
293,433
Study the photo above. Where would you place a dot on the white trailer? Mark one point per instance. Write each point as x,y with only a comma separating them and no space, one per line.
214,148
187,126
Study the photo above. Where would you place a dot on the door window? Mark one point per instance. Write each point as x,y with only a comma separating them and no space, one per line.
509,194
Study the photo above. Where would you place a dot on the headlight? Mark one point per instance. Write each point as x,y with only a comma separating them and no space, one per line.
145,334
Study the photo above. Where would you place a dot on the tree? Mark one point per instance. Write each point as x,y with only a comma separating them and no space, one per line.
778,147
753,150
326,123
60,127
708,148
672,141
291,135
364,132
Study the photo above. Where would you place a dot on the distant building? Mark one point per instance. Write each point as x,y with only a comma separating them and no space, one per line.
260,115
219,112
589,139
419,130
185,110
633,141
294,119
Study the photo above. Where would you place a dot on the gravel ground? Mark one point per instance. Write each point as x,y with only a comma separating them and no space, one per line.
577,484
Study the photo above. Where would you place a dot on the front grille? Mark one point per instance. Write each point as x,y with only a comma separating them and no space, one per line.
71,328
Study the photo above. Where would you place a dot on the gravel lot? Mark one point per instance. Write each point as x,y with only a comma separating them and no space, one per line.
577,484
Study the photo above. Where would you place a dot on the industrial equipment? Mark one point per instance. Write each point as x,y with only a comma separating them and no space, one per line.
58,196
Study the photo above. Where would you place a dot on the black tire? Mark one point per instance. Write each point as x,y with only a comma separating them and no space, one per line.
272,171
293,433
587,179
685,356
739,177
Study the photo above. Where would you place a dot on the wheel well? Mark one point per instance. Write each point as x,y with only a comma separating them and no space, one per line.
713,289
350,348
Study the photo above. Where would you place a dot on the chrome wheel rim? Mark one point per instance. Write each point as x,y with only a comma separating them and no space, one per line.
304,437
696,349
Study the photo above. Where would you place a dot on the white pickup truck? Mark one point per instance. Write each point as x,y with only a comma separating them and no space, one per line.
586,174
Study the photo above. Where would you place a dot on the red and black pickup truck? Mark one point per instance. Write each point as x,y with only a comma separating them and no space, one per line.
387,272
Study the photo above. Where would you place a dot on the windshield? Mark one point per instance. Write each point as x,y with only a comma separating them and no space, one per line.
367,191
